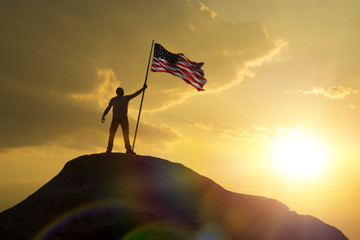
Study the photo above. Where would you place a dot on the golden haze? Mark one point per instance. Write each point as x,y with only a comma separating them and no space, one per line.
277,72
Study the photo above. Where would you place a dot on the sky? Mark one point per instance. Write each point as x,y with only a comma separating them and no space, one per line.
278,118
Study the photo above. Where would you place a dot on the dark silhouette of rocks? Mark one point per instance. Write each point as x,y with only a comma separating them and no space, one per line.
128,197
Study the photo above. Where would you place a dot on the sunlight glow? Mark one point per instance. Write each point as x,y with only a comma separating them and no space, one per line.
300,158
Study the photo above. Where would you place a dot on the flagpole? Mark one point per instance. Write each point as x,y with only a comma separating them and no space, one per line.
142,97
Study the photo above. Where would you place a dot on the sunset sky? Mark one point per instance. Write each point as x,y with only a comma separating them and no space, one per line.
279,116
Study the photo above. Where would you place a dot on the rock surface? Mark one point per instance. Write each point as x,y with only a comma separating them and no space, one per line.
128,197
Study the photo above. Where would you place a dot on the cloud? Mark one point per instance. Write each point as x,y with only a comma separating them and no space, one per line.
36,120
257,133
61,61
260,128
163,133
166,137
105,88
212,13
293,132
352,194
207,127
243,135
346,188
335,92
251,134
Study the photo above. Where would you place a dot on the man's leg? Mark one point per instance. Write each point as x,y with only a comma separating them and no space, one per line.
113,128
125,129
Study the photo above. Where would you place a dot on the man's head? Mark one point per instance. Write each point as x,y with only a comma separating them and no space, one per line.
120,92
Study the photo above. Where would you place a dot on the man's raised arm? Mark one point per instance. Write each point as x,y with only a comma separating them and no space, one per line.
138,92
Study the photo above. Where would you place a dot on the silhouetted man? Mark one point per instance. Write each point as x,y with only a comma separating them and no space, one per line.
120,105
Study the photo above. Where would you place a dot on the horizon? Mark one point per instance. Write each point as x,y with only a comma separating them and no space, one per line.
278,117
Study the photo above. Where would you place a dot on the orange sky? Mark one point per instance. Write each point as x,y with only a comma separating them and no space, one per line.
281,75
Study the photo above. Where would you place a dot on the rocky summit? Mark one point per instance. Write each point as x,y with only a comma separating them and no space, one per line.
119,196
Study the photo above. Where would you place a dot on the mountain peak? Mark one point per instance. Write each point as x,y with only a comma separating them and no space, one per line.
119,196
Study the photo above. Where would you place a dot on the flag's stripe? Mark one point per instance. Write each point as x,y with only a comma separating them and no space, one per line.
160,65
179,66
196,71
194,64
197,86
201,80
192,72
176,72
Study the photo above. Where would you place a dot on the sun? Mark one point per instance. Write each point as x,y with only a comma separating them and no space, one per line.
299,158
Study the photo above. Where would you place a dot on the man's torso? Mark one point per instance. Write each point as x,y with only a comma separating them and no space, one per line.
120,106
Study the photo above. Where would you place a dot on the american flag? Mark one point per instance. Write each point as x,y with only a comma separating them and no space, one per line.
178,65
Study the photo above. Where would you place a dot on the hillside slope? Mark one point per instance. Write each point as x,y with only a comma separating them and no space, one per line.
121,196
